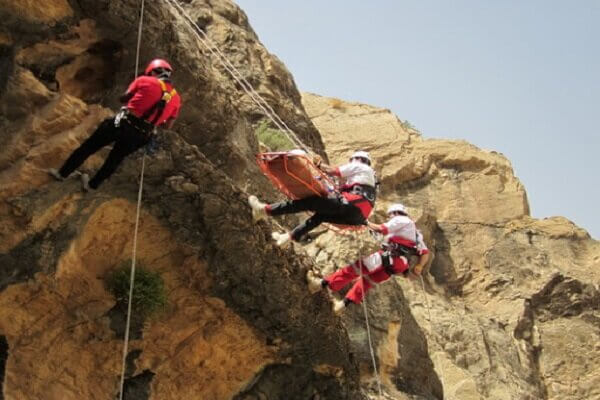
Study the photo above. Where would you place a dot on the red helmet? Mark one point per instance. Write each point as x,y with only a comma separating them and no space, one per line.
157,63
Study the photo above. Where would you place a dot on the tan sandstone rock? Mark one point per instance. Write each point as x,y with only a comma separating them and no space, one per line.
35,11
501,286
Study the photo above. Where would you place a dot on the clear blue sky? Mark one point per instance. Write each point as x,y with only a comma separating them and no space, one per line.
519,77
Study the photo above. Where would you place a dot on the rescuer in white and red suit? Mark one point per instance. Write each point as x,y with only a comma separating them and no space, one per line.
402,239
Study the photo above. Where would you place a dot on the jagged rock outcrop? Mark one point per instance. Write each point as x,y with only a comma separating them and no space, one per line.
239,322
502,289
513,300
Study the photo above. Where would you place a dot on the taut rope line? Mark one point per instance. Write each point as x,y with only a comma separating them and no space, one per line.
362,282
238,77
135,232
431,325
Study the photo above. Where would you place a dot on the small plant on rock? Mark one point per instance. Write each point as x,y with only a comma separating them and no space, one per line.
408,126
274,139
149,294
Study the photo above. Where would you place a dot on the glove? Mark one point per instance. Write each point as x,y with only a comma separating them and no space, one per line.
418,269
152,146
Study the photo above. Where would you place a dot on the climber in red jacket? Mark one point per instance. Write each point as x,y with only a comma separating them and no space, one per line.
151,101
402,239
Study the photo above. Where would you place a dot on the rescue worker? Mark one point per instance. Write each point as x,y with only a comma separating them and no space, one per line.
402,239
351,206
151,101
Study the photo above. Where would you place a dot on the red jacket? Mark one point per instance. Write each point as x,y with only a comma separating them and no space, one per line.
145,92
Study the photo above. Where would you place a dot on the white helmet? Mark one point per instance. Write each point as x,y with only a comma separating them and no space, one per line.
397,207
362,155
297,152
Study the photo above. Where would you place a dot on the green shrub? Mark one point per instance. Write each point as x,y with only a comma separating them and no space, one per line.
408,126
149,293
274,139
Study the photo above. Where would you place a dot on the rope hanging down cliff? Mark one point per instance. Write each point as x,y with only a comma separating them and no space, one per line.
239,78
431,328
360,267
135,232
269,112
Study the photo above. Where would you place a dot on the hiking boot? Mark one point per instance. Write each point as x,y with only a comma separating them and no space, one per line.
315,284
85,182
281,239
258,208
56,174
338,306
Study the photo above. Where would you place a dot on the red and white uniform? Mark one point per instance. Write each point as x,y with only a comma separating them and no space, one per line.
147,91
357,173
399,229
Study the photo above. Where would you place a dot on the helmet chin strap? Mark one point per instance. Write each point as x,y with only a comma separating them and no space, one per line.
164,75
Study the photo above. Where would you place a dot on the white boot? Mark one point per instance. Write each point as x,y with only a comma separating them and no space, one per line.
54,172
258,208
314,284
282,239
85,182
338,306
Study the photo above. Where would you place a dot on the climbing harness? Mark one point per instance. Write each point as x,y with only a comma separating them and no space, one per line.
387,260
399,250
135,232
143,124
367,192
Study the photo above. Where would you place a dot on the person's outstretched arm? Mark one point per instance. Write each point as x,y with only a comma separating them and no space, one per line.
328,169
375,227
124,98
418,268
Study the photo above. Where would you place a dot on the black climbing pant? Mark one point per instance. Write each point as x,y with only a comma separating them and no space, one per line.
332,210
126,138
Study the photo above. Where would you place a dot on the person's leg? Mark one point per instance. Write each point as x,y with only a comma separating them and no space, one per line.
358,290
317,204
354,295
102,136
306,226
329,211
345,214
128,142
340,278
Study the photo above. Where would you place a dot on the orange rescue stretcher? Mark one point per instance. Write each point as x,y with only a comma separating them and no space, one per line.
295,175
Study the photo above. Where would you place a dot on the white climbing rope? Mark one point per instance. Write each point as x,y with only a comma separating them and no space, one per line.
139,40
431,326
135,231
364,302
239,78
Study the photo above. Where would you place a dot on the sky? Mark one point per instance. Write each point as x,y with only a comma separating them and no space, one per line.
518,77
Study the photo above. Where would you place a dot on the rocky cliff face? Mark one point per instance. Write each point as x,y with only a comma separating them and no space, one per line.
514,301
239,323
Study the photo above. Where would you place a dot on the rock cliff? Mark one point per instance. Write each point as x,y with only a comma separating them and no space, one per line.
503,288
513,301
238,321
